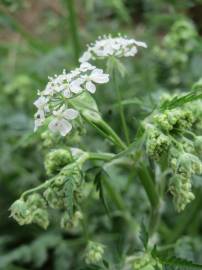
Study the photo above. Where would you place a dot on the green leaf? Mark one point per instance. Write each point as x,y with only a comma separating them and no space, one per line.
178,263
144,235
69,191
99,187
178,101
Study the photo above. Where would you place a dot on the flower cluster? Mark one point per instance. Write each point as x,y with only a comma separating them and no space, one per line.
145,261
111,46
33,210
56,160
94,253
184,165
54,100
171,133
157,143
174,119
70,224
60,192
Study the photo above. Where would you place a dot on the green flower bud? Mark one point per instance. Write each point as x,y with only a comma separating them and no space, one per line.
54,197
73,223
94,253
174,119
157,143
20,212
145,261
36,201
56,160
48,139
40,217
189,164
180,188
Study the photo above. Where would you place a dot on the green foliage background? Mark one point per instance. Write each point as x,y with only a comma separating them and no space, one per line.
37,40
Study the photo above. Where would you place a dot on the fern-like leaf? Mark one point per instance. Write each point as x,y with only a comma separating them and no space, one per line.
174,263
178,101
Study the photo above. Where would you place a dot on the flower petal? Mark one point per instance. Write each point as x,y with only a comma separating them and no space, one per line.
70,114
64,127
85,57
90,87
98,76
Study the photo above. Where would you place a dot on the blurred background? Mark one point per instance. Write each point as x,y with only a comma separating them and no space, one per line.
39,38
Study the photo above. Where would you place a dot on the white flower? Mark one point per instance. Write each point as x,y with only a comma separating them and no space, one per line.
62,87
108,46
96,76
85,57
60,122
41,102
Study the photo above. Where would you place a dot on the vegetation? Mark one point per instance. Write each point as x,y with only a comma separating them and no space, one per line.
101,167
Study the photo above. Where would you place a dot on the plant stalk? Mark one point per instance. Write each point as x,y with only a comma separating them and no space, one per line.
121,109
73,28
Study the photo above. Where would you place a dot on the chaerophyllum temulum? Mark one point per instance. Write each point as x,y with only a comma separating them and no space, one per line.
165,153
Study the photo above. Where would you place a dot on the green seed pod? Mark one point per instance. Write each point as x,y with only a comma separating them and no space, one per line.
56,160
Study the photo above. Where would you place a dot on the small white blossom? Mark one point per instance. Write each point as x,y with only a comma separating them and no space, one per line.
96,76
60,122
57,92
108,46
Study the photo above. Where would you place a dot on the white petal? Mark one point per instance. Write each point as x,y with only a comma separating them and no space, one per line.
41,102
86,66
99,77
64,127
70,114
140,43
90,87
53,125
67,93
75,86
85,57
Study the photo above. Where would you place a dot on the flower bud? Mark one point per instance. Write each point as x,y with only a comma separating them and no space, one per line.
56,160
94,253
40,217
20,212
54,197
145,261
180,188
35,200
67,223
157,143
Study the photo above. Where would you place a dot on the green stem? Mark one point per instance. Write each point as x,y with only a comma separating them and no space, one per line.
121,109
148,185
77,163
115,138
114,194
101,156
73,28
